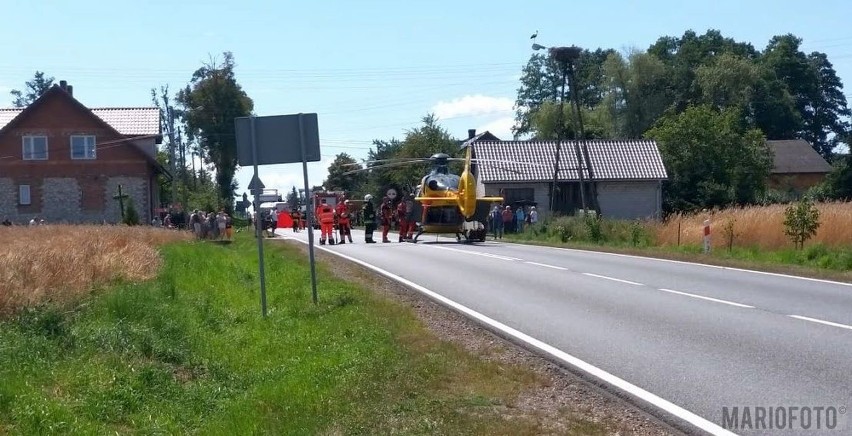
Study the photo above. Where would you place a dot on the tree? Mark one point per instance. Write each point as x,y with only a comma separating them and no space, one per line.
728,81
636,93
541,80
419,143
131,216
801,221
685,54
34,89
339,180
211,102
815,88
838,183
293,198
711,159
828,108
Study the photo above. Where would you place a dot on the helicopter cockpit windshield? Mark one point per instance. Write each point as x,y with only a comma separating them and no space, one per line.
442,182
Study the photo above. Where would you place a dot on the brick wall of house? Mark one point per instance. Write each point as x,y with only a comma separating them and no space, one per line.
65,189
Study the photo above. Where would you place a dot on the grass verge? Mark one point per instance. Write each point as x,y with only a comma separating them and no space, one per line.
817,260
188,352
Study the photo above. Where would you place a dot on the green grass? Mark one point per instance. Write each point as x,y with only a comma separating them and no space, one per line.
634,237
190,353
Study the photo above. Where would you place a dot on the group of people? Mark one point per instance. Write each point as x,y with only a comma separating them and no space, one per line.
504,220
210,225
328,217
402,213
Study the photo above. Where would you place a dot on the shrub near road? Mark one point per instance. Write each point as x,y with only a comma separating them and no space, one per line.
188,352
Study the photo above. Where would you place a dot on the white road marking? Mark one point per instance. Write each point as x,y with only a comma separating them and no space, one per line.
476,253
833,324
613,279
546,265
700,264
707,298
586,367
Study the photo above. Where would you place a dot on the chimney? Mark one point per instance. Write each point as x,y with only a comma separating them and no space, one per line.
471,133
70,90
63,84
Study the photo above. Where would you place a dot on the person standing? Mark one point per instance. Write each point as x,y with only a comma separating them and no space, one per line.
387,218
533,216
508,216
325,215
368,213
409,215
403,220
519,218
344,223
296,217
496,222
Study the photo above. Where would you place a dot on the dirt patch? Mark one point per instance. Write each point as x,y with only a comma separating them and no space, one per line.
562,392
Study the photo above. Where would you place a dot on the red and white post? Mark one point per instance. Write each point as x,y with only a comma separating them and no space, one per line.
707,235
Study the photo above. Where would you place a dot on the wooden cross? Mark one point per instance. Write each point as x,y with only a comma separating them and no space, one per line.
120,197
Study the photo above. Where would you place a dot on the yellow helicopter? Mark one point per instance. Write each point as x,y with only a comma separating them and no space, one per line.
447,203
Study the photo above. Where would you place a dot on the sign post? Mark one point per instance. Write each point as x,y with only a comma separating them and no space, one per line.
308,215
277,140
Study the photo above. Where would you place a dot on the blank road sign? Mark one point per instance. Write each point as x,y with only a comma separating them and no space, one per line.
278,139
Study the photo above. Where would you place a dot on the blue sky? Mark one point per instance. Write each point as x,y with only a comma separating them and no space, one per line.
370,69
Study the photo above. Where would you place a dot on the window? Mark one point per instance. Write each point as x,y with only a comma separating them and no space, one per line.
35,148
82,147
24,195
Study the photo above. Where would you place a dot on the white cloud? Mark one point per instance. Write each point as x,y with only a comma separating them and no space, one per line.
471,105
501,127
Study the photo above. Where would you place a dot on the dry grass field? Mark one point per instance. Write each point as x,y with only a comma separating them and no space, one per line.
57,263
760,226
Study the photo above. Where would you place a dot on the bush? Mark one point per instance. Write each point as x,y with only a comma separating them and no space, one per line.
801,221
131,216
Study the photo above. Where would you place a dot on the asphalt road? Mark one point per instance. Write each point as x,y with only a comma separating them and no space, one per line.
700,337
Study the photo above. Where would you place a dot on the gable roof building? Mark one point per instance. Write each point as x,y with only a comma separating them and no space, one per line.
63,162
796,166
627,174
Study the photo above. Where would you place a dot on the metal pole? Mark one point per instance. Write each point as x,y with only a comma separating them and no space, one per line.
559,133
257,224
308,213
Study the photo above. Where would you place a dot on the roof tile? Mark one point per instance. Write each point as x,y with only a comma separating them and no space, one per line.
130,121
610,160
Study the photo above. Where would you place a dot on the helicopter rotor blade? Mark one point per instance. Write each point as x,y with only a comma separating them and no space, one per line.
388,165
489,161
385,161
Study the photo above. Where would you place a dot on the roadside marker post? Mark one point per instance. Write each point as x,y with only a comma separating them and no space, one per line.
707,236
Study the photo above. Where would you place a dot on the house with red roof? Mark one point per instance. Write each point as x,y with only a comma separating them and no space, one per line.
64,162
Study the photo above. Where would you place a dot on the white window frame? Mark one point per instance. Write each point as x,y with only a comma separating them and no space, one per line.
24,197
86,148
27,153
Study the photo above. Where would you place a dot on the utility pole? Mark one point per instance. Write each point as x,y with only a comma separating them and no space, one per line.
560,132
584,158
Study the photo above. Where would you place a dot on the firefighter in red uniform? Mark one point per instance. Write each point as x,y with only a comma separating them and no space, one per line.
344,224
325,215
403,220
387,218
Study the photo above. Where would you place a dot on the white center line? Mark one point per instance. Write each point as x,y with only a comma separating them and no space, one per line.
613,279
707,298
833,324
477,253
547,266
